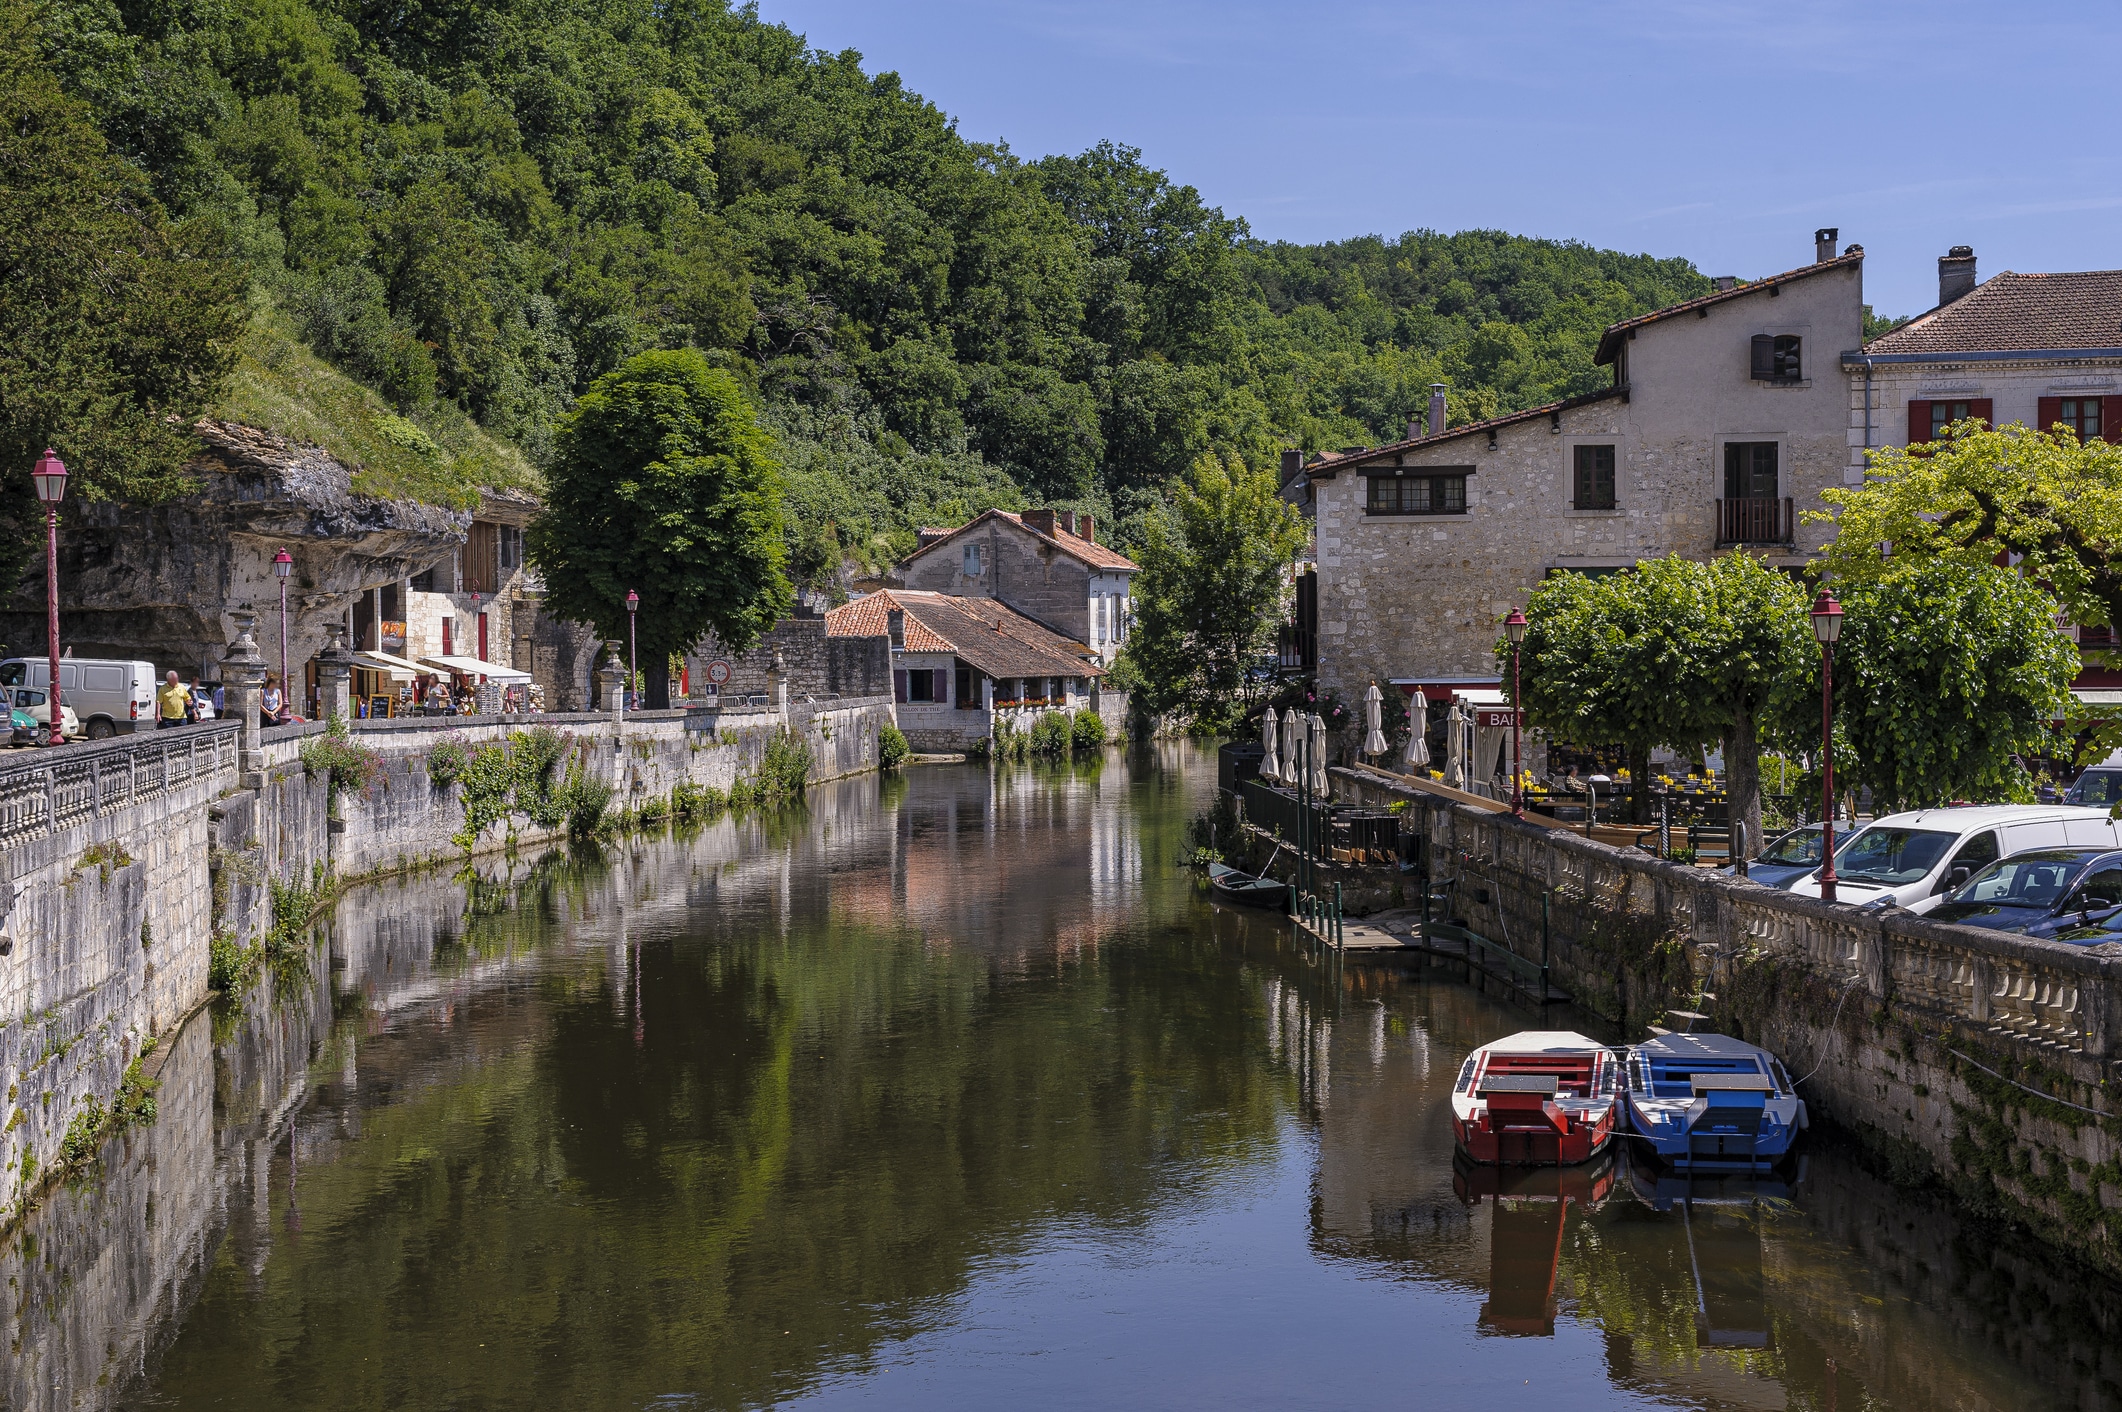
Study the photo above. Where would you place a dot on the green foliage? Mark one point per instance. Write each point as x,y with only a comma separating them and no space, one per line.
118,326
104,857
517,776
664,483
1210,590
135,1102
783,774
338,756
230,967
1052,736
1088,732
1944,674
446,763
892,748
692,801
84,1133
582,800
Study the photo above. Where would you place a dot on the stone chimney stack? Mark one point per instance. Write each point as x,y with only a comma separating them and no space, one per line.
1293,462
1436,408
1040,520
1824,244
895,624
1087,528
1956,273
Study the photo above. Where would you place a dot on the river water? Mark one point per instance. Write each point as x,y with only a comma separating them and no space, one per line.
951,1090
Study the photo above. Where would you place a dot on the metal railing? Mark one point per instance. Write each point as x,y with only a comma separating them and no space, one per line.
1764,519
45,791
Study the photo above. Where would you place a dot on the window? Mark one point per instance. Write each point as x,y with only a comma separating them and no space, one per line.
968,694
972,561
1749,470
424,582
922,685
1776,358
2102,889
1974,855
2081,415
1439,493
1595,478
1943,414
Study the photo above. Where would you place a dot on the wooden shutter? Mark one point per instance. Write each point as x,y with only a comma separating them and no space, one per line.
2111,420
1764,356
899,687
1985,408
2047,412
939,689
1918,422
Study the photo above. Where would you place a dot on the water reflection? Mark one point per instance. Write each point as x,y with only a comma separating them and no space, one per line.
952,1090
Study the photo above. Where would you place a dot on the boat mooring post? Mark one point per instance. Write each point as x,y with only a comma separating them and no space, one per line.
1339,936
1546,903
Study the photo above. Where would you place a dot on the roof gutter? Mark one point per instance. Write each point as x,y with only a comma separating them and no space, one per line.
1857,359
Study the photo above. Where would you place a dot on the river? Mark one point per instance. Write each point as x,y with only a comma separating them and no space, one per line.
948,1090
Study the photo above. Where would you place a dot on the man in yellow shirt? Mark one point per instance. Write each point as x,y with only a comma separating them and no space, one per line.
173,704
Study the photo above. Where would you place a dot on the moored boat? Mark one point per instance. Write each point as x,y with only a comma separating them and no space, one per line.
1245,889
1708,1102
1538,1098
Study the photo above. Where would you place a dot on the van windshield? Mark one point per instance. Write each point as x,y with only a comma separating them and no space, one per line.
2096,787
11,673
1892,857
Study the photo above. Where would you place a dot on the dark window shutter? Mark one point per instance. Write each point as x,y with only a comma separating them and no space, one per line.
2047,412
899,687
1764,356
2111,420
942,691
1985,408
1918,423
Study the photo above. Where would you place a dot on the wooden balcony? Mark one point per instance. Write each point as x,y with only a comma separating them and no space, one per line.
1756,520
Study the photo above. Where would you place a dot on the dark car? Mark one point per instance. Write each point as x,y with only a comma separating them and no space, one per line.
1787,858
2097,786
2044,892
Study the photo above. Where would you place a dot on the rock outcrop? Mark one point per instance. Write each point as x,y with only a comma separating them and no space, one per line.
156,582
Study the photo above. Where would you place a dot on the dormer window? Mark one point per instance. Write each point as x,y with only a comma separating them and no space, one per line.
1776,358
972,561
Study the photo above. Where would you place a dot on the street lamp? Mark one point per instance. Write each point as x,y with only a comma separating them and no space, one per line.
1514,628
1827,626
633,668
283,565
50,477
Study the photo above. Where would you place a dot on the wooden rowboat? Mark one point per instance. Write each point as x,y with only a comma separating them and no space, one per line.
1244,889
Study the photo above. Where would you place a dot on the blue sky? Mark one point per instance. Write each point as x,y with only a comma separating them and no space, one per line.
1722,133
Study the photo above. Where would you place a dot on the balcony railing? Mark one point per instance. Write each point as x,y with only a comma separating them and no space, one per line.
1764,519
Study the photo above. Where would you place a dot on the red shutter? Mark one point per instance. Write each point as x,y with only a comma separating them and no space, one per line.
445,636
899,687
1984,408
2047,412
941,692
1918,423
2111,420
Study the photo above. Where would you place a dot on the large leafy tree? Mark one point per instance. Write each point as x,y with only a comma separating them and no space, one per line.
664,483
1211,582
116,328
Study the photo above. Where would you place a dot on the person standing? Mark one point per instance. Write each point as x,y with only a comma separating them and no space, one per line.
202,702
271,701
173,704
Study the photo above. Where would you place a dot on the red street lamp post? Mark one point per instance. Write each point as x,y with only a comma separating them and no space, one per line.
633,668
1827,627
1514,628
50,477
283,565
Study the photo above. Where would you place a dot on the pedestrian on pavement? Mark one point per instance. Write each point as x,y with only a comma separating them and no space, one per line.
202,701
220,700
272,702
173,704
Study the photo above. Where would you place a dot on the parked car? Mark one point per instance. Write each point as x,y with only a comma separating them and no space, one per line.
2059,893
2100,785
25,729
1788,858
31,701
1914,860
111,697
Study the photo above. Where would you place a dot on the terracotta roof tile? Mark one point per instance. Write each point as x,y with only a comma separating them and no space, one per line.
2011,312
1326,466
1086,551
869,616
1610,341
980,631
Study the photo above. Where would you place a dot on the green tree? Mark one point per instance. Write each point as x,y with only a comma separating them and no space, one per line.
117,329
1212,577
1945,673
664,483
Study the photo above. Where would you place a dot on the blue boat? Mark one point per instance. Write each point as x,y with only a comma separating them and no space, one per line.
1711,1103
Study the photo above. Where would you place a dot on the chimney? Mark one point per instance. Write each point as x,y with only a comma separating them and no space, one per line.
1436,408
895,626
1293,462
1824,244
1040,520
1086,528
1956,273
1414,428
1066,519
1723,284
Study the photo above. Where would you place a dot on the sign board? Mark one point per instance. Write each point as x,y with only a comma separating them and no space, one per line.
718,673
1488,717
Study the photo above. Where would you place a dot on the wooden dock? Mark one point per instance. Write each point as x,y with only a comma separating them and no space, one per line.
1399,936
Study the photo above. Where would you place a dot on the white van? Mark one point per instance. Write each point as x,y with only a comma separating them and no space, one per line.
108,697
1914,860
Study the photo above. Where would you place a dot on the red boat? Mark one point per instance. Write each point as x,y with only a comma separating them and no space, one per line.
1541,1098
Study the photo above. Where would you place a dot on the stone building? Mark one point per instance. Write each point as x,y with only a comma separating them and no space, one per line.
1725,417
1045,564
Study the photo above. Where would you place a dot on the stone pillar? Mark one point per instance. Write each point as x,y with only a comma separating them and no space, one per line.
335,668
243,688
612,677
777,685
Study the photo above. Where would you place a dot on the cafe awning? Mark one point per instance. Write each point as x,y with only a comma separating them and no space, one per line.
473,667
398,667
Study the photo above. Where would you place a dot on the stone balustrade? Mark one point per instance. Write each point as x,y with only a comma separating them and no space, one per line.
47,791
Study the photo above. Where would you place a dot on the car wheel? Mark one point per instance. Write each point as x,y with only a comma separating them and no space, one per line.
100,730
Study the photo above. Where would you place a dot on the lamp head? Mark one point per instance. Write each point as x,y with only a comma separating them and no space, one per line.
50,476
1827,618
1514,626
633,600
283,563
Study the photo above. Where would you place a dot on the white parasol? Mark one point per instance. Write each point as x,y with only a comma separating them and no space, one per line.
1374,721
1418,731
1270,768
1319,784
1455,748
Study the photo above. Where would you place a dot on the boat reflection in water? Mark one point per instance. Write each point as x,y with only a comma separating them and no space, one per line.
1721,1217
1529,1208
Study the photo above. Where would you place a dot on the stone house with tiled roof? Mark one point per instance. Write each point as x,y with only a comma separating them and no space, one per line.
1725,415
962,664
1046,564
